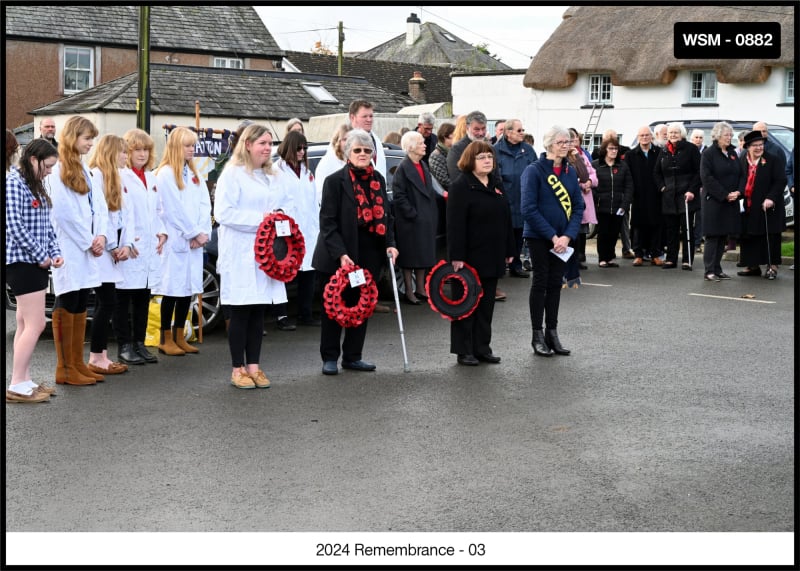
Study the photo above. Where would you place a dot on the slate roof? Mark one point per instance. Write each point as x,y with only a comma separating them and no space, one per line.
390,75
228,93
227,29
434,48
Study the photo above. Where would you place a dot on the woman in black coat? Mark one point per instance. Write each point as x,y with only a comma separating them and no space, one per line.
720,174
612,198
478,233
415,216
355,228
677,174
761,185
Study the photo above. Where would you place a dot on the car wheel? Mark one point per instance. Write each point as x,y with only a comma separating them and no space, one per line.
212,304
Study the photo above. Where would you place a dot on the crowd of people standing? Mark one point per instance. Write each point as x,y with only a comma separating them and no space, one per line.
112,223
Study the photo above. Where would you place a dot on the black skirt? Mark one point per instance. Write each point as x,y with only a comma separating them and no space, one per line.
23,278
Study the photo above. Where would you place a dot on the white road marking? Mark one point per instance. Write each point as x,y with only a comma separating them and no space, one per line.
733,298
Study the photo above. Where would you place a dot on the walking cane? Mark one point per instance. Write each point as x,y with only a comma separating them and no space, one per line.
406,369
769,253
689,244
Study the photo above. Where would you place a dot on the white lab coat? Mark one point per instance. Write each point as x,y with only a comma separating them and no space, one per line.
185,214
77,219
143,271
328,164
380,155
241,202
305,209
120,223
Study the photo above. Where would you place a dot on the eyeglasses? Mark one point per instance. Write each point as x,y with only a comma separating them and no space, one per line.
561,143
484,157
302,148
361,150
756,145
612,148
519,130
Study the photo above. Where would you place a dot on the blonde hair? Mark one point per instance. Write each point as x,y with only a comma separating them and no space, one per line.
338,134
139,139
461,128
104,159
72,173
241,156
173,154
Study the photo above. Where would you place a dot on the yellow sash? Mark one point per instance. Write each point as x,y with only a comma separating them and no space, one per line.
561,193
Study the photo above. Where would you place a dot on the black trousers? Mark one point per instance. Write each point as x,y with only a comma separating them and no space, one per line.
73,301
516,263
104,302
245,334
130,315
305,296
647,241
675,228
473,335
608,229
178,305
712,254
545,294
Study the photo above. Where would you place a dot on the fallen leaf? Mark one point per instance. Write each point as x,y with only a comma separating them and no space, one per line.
749,296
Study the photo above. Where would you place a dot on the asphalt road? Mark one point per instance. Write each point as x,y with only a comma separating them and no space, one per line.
675,412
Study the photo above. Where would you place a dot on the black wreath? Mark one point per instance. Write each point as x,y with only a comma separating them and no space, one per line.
453,309
334,304
279,257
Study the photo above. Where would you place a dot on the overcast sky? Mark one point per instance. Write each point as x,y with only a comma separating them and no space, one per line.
513,33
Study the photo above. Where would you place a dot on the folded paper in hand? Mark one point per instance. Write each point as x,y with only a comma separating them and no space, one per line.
565,255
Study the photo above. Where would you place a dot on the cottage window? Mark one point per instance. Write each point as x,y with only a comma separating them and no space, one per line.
78,69
600,89
789,86
228,62
704,87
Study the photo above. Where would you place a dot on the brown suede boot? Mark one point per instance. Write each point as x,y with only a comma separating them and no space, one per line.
168,346
78,336
66,373
180,341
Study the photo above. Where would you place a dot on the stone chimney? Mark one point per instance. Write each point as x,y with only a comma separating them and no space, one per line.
412,29
416,87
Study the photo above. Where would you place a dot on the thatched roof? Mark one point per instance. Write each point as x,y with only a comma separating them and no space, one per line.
620,41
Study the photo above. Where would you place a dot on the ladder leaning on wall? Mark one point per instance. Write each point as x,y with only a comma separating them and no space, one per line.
591,126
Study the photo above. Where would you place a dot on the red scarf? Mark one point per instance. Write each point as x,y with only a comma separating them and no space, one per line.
751,182
366,188
671,148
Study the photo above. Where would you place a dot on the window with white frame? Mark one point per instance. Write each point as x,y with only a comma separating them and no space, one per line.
704,87
789,95
229,62
78,69
600,89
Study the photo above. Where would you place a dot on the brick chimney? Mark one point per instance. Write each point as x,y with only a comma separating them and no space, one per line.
412,29
416,87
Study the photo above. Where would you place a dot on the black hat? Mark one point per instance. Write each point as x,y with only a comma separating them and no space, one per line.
752,137
465,281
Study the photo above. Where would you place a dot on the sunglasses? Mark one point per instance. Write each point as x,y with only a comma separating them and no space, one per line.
361,150
302,148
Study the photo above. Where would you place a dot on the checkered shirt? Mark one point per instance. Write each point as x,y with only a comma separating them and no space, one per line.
30,237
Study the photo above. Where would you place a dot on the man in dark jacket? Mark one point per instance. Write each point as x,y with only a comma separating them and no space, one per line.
476,130
425,124
646,217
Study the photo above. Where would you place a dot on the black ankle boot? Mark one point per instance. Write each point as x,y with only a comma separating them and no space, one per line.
128,355
551,338
539,345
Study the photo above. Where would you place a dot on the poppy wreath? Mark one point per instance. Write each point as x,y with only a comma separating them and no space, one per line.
448,308
335,306
279,267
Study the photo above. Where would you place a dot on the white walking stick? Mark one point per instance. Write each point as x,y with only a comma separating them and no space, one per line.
689,244
406,368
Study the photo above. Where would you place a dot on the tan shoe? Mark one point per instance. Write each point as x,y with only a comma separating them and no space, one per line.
657,262
35,396
112,369
260,379
638,262
241,380
381,308
43,388
180,340
168,346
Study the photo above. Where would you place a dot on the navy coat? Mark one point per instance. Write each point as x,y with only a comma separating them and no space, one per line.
720,174
511,161
543,213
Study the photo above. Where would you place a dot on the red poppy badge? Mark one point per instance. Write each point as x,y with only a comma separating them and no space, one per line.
35,203
195,180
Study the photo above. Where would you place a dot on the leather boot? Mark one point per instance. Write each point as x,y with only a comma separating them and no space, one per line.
141,350
180,341
128,355
540,345
168,346
66,373
78,336
551,338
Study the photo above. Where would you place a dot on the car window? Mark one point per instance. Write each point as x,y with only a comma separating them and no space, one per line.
785,137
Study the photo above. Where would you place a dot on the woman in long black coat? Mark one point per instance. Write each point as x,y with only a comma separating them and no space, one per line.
762,183
720,173
479,233
416,215
677,174
612,197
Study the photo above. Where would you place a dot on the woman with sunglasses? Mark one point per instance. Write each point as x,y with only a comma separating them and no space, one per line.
302,191
356,228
